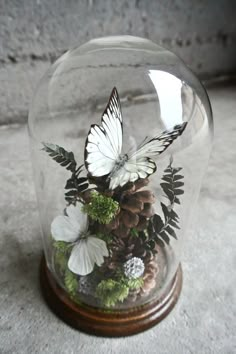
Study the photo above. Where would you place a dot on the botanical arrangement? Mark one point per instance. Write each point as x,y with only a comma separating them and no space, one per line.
106,241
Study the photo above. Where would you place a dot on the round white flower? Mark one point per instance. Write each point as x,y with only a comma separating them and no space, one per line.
134,268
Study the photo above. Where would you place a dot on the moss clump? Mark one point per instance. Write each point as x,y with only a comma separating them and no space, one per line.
71,282
101,208
60,246
60,255
111,291
135,284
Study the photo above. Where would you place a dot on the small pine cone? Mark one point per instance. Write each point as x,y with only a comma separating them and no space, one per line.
124,249
119,254
133,295
135,208
149,277
138,249
149,281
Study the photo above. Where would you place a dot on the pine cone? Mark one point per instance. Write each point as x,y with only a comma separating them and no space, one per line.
133,295
136,207
124,249
149,276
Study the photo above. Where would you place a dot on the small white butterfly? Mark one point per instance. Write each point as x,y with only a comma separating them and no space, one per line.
103,148
86,249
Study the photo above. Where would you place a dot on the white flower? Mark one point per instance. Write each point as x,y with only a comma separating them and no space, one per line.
134,268
87,249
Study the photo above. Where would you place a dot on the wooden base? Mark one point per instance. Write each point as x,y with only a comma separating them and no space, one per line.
110,324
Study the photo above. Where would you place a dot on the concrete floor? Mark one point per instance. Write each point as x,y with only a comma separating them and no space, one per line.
204,320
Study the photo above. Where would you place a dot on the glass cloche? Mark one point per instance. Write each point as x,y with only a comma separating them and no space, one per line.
120,133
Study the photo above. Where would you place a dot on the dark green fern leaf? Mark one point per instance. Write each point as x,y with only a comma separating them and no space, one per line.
61,156
157,223
75,185
171,185
164,236
161,231
174,224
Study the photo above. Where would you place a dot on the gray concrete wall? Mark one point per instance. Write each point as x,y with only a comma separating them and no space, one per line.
35,32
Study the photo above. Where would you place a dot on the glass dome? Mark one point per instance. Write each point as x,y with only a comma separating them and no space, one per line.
120,132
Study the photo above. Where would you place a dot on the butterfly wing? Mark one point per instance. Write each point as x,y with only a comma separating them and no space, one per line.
131,171
140,163
86,253
158,144
104,142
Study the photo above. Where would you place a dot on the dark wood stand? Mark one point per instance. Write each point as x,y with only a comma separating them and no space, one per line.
110,324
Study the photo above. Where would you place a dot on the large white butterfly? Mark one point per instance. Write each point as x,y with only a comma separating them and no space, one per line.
103,148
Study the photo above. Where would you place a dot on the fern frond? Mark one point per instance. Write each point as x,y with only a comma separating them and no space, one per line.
171,184
162,230
75,185
61,156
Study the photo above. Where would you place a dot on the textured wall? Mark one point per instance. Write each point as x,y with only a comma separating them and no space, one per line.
33,33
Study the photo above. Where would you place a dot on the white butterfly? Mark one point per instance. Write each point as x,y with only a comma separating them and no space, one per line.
103,148
87,249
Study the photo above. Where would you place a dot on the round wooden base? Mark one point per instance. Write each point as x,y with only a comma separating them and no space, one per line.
110,324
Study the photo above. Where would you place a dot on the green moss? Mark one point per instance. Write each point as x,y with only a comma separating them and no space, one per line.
135,284
110,292
60,246
60,255
71,282
101,208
